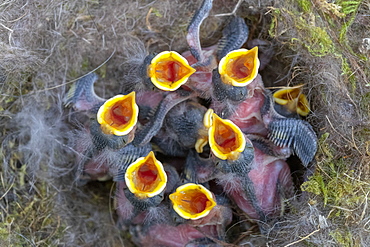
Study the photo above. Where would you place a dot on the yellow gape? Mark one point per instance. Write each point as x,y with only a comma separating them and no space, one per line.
118,115
146,177
226,140
192,201
293,99
169,70
239,67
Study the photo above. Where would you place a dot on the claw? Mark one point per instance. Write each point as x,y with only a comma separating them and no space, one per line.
192,201
169,70
118,115
239,67
293,99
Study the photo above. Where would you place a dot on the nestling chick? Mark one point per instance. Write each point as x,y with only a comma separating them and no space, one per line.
111,125
271,181
256,115
233,155
206,219
165,71
291,102
133,210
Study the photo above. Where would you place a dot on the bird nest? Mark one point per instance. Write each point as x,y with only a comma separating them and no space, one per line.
46,45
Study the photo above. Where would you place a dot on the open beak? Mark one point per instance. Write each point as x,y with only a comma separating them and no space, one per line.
169,70
192,201
293,99
239,67
118,115
226,140
146,177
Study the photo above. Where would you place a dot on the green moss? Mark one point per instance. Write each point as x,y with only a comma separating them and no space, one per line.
348,7
274,22
343,238
337,187
316,186
305,5
341,191
29,219
312,37
321,31
315,39
348,72
4,234
157,13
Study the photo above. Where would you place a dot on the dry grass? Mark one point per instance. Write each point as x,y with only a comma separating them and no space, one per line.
46,45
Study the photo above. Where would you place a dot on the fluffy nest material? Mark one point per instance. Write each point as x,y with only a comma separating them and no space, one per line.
46,45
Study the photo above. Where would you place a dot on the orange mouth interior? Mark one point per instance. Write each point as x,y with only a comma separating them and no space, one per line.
192,201
225,137
146,178
119,114
241,67
294,99
169,71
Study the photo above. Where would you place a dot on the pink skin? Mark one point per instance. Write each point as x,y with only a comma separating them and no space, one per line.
83,105
219,217
125,210
201,80
271,179
247,114
171,236
164,235
149,98
96,170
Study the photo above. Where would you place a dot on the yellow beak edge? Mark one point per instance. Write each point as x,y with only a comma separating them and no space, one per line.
293,99
118,115
146,177
169,70
239,67
226,139
192,201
